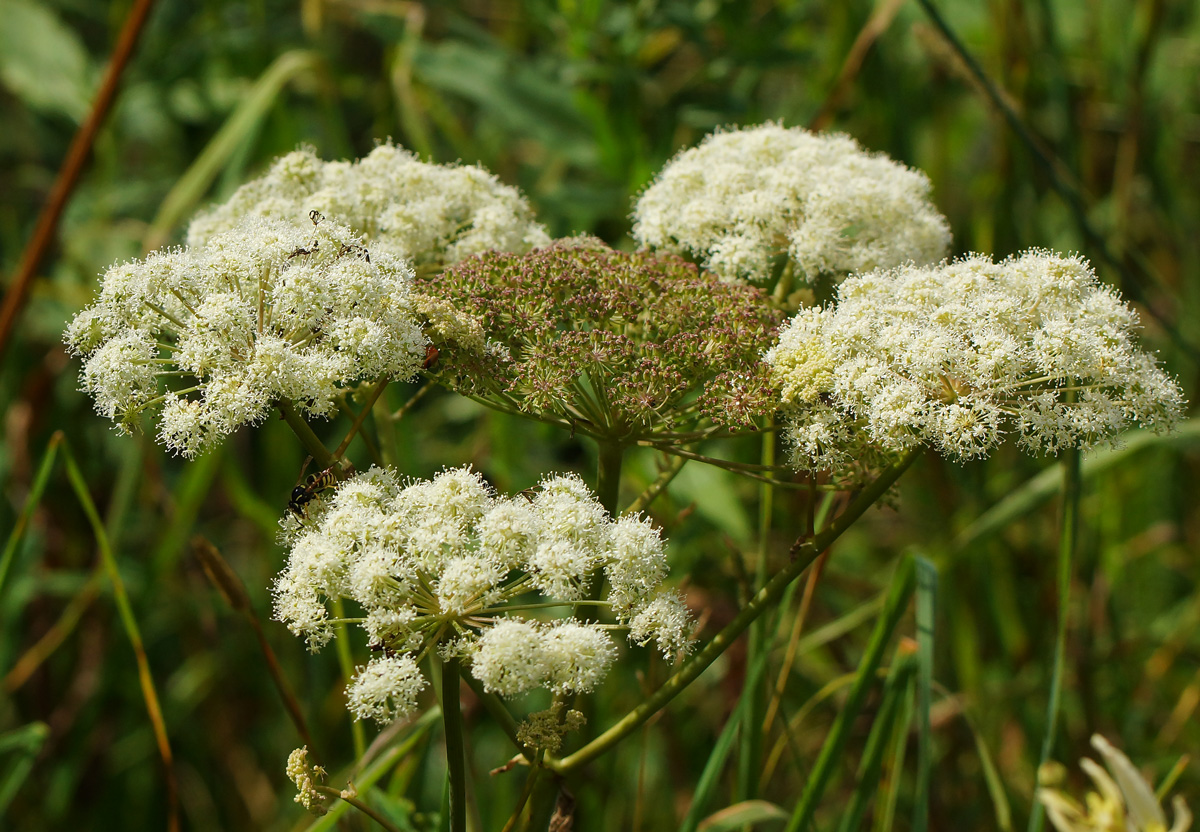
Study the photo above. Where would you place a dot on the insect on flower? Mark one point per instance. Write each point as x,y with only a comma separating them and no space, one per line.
316,217
316,483
431,357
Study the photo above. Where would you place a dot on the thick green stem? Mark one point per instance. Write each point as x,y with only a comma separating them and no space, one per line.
316,449
749,758
803,553
608,475
1068,541
455,755
346,665
385,429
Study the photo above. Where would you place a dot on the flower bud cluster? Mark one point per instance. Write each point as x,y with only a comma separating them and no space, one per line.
747,200
306,777
429,214
218,333
446,565
619,344
957,355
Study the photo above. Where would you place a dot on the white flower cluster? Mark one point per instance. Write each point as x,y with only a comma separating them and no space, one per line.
959,354
426,213
447,565
745,197
218,333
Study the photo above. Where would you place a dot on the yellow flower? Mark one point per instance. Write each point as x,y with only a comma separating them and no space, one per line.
1123,800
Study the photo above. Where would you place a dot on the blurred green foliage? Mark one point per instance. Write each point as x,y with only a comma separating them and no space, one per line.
579,102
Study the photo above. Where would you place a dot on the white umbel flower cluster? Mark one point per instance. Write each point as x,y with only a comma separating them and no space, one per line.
429,214
745,198
446,565
957,355
218,333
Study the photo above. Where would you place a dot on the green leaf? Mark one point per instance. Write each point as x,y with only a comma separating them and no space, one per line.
42,61
26,742
741,815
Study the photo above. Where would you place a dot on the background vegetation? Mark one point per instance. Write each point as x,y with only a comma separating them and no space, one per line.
579,102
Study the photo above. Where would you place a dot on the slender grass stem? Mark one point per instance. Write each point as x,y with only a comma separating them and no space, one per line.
132,631
360,806
416,397
831,752
1064,182
1068,542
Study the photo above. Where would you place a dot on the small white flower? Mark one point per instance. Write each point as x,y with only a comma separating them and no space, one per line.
666,620
447,567
638,563
429,214
221,332
510,658
386,689
746,197
578,656
958,355
468,580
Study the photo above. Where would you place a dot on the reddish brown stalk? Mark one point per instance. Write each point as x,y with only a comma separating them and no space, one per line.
874,28
68,174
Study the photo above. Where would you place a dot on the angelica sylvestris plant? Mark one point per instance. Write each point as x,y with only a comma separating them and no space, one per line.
431,215
448,568
620,346
301,286
957,356
1123,800
218,333
750,202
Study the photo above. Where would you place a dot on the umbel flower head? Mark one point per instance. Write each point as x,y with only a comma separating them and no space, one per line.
747,201
446,565
957,355
618,345
217,334
1123,800
432,215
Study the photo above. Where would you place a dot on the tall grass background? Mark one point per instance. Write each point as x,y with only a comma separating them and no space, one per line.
1085,137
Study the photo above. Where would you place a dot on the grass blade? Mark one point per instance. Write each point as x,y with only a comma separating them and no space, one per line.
239,128
1045,485
132,632
742,815
927,583
739,720
871,767
831,752
31,503
26,742
1066,554
369,776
